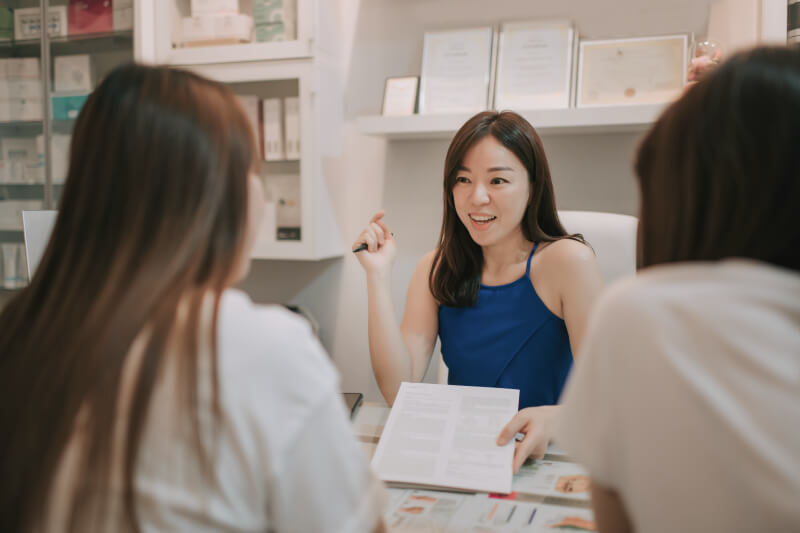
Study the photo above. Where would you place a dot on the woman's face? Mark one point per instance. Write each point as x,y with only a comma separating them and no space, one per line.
491,192
255,213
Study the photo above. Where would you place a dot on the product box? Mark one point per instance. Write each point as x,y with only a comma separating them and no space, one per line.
252,108
22,68
24,109
19,154
210,29
6,24
72,73
59,155
272,121
292,134
267,33
28,22
67,107
90,16
215,7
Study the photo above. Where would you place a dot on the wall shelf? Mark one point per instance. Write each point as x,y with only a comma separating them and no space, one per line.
612,119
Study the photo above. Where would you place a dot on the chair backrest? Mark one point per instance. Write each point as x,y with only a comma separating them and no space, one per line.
613,237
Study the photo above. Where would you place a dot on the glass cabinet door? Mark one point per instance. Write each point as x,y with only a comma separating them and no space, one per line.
38,106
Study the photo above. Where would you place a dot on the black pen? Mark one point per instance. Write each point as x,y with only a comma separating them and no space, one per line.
363,246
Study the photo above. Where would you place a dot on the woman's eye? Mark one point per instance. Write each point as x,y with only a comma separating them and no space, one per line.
462,179
497,181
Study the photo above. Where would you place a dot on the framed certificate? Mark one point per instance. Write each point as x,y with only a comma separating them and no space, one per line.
534,65
647,70
400,96
456,70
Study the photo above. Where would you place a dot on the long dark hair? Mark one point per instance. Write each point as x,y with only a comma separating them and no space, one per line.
151,221
718,171
455,277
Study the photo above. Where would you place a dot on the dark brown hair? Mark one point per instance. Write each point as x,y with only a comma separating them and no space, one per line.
455,278
152,219
718,171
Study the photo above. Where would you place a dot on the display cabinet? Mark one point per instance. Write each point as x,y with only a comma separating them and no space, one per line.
44,80
280,57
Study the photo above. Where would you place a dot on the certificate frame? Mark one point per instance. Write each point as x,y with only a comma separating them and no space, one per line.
535,64
457,70
609,70
400,96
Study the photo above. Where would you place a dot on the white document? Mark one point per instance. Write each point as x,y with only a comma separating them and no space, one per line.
535,65
553,478
445,436
273,129
456,69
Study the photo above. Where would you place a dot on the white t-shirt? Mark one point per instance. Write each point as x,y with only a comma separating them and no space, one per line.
286,458
686,399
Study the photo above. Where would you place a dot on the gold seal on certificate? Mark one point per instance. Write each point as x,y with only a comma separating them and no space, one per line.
456,68
400,96
534,65
649,70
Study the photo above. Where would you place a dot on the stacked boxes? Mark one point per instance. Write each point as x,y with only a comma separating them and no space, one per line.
20,89
216,22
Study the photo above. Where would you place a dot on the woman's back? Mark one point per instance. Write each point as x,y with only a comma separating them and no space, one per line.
278,396
700,366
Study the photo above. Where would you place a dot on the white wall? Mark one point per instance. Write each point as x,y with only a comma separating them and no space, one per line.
383,38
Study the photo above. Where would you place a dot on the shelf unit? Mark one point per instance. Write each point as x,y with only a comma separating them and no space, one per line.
612,119
265,69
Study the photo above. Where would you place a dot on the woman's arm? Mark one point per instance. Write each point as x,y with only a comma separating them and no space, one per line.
398,352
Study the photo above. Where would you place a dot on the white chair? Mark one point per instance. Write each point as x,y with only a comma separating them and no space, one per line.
613,237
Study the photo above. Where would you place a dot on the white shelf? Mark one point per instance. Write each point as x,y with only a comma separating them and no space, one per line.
234,53
612,119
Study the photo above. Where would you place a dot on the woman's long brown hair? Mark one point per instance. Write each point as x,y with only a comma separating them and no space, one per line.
152,218
718,172
458,264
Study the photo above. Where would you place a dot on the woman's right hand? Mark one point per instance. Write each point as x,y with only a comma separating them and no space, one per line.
381,249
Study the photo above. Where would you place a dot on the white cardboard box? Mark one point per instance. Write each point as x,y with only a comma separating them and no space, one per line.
215,7
28,22
23,68
292,110
73,73
273,130
209,28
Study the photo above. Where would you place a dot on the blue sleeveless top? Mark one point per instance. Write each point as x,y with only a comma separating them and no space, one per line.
508,339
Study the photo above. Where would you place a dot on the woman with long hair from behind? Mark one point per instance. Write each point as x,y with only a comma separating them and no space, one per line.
140,392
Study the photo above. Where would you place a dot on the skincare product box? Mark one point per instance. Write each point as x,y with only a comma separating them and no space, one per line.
21,110
273,129
274,20
28,22
20,89
19,155
215,7
212,29
21,68
67,106
292,135
59,155
72,73
122,15
6,24
90,16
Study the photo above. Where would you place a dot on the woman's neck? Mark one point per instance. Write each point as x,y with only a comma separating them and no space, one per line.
507,253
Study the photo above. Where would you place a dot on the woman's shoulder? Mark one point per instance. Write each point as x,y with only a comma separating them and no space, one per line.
566,252
268,342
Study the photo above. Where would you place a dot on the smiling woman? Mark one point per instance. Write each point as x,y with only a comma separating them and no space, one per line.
507,289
